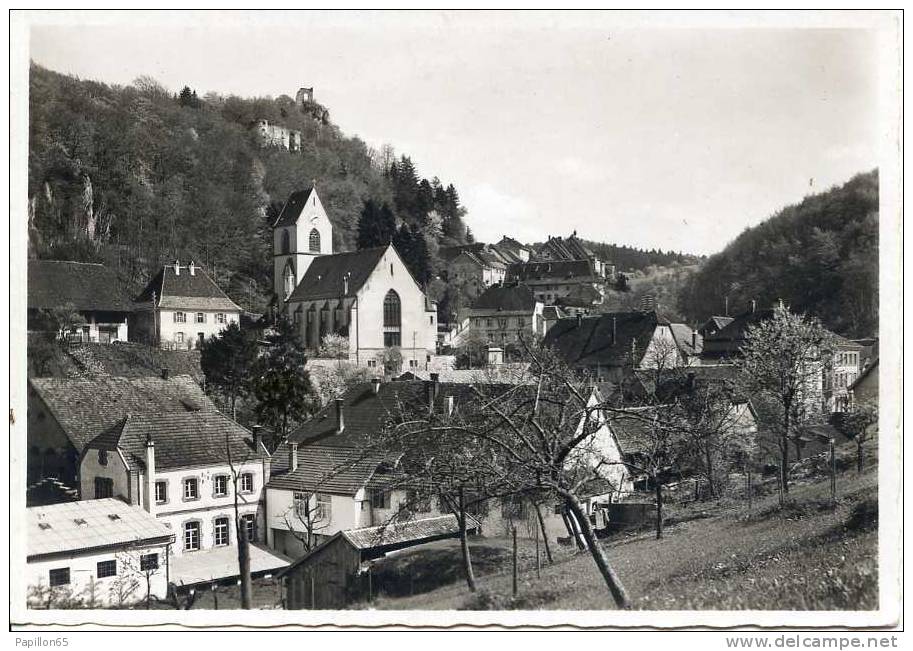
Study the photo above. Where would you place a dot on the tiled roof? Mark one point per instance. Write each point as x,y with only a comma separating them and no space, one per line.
581,296
511,243
843,343
566,249
558,269
686,340
90,524
186,291
552,313
865,373
182,440
325,277
728,341
87,407
716,323
588,341
501,374
336,469
406,531
85,286
506,298
292,208
632,428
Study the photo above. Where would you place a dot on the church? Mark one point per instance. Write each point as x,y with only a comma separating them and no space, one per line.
368,296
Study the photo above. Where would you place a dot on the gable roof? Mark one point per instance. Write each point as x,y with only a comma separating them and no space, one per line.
182,440
85,286
336,469
500,374
581,296
506,298
511,243
686,340
527,271
81,526
571,248
85,408
293,207
728,341
325,277
186,291
588,340
865,373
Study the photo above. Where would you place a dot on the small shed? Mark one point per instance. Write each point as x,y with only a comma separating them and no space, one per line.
337,572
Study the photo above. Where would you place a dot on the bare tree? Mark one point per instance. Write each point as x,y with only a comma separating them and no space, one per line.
857,424
236,467
313,517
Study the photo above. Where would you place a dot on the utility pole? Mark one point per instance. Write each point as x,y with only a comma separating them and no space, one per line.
515,561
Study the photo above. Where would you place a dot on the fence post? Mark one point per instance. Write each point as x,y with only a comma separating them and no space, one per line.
538,563
749,491
515,561
313,600
833,465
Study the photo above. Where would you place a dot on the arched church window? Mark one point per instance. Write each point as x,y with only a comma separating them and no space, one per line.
289,279
286,241
392,320
314,240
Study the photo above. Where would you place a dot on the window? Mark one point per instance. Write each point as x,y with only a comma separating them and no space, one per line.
220,532
286,241
179,337
180,317
220,485
324,509
59,576
380,499
161,492
220,317
302,505
392,320
149,562
249,522
191,536
103,457
191,489
247,483
201,317
431,319
372,363
104,487
288,279
106,568
413,363
314,241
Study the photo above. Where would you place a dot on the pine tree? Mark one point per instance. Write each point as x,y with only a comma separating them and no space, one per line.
412,248
376,225
227,360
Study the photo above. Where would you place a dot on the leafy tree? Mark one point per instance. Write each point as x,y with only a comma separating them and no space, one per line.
334,346
189,98
783,359
281,384
858,424
227,361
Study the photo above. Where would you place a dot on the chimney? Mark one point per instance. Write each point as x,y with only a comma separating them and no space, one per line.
754,305
292,457
165,372
375,385
340,421
177,268
150,474
192,267
257,432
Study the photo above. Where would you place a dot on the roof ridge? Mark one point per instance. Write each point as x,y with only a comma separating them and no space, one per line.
43,260
409,521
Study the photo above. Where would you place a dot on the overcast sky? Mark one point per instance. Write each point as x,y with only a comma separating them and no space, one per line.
545,123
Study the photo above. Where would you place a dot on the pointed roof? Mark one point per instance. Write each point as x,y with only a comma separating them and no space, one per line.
589,340
291,211
506,298
186,291
325,276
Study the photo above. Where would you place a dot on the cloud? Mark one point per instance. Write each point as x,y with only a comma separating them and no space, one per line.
492,213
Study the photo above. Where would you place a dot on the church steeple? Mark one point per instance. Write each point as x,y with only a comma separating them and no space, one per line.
301,232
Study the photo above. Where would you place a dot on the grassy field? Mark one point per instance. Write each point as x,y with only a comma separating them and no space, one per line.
808,555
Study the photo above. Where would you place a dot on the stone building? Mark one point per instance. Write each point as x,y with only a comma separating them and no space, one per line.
301,233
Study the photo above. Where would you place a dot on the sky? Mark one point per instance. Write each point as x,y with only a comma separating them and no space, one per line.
545,122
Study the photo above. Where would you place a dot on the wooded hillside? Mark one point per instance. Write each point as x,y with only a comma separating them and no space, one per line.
820,256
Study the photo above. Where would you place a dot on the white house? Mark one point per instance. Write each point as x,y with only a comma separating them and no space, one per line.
504,313
182,306
186,469
96,553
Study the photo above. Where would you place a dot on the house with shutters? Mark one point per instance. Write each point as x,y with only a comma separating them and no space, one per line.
91,290
181,307
554,280
505,313
475,266
326,478
188,470
65,414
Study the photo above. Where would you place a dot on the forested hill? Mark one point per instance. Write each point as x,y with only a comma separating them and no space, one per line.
820,256
627,258
138,175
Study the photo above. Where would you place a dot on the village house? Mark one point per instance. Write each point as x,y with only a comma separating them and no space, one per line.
845,369
188,470
865,387
326,479
714,324
65,414
476,266
508,246
505,313
557,249
551,281
582,299
91,290
609,347
181,307
100,553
